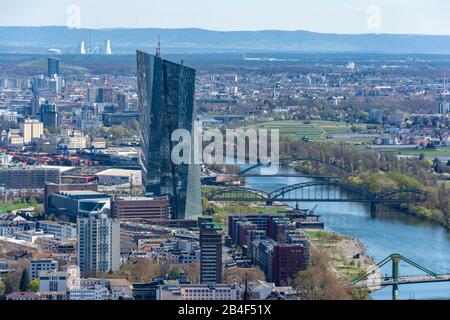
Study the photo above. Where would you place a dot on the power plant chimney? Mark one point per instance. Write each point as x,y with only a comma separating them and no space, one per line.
108,47
82,48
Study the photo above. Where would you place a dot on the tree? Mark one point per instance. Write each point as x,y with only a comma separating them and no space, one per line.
24,285
2,289
240,275
192,271
34,285
318,282
138,271
11,282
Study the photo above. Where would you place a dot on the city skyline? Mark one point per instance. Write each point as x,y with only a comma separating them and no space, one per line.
346,17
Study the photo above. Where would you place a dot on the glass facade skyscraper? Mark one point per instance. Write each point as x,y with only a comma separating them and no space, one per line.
166,102
52,67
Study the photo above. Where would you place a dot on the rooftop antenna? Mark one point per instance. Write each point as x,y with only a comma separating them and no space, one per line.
90,41
158,50
445,84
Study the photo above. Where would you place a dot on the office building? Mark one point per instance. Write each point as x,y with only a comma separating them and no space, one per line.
35,106
279,262
210,252
142,209
51,188
28,178
52,67
98,245
34,267
443,107
95,292
74,204
172,291
101,95
166,102
288,260
49,117
111,177
149,291
122,101
31,129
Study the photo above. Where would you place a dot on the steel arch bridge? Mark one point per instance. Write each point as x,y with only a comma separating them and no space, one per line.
319,191
293,159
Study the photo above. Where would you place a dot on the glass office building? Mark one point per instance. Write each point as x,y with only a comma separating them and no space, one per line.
52,67
166,102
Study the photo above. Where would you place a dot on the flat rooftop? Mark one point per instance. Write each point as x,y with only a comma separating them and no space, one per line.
82,193
119,172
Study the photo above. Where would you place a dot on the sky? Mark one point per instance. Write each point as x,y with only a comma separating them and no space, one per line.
329,16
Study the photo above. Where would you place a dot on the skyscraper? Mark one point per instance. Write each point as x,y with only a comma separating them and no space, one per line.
210,252
166,102
98,244
52,67
49,116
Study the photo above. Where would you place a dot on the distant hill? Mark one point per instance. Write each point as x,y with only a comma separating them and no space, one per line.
40,39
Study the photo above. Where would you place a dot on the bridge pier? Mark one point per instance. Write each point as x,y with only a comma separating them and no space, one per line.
374,209
269,203
395,263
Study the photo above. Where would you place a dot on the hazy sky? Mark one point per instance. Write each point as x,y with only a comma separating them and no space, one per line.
339,16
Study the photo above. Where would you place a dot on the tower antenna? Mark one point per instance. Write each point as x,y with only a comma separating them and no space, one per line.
445,84
158,50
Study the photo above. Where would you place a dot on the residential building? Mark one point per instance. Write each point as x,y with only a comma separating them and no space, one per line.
53,285
34,267
60,230
31,129
23,296
98,244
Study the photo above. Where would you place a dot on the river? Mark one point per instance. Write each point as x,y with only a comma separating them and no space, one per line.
391,232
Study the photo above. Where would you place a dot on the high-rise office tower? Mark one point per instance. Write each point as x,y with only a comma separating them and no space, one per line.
49,116
52,67
35,106
98,245
166,102
210,252
122,100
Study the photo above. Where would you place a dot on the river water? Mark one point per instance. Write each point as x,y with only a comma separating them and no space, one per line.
391,232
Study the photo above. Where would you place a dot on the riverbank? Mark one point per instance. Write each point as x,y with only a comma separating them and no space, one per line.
348,255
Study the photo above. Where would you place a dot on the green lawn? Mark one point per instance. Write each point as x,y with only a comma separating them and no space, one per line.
12,207
431,154
315,130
